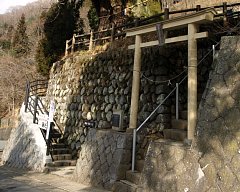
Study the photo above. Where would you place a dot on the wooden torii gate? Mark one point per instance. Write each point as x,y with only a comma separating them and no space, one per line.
192,22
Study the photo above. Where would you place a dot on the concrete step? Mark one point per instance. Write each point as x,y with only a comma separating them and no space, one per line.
125,186
60,163
184,114
175,134
139,165
179,124
59,151
133,177
62,157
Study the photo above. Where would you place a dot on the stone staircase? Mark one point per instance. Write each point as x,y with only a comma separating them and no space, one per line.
60,152
132,181
178,132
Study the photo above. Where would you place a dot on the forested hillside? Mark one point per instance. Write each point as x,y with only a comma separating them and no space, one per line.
20,30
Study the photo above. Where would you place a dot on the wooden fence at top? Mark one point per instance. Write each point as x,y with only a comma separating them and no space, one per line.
88,40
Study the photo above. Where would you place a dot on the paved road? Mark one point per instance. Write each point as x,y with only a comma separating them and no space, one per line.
15,180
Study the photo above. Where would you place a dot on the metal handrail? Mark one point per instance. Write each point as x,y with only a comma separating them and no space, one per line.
176,88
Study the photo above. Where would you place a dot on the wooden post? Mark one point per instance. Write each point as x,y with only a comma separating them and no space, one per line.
166,14
27,96
66,49
225,23
198,8
73,43
136,22
91,42
35,109
192,80
112,32
135,83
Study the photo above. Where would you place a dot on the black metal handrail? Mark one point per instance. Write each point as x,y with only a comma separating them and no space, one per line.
34,104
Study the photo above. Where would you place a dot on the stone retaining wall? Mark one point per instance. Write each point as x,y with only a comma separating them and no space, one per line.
171,166
218,138
90,87
104,158
26,147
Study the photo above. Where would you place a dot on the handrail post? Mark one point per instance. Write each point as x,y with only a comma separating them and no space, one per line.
166,13
66,49
136,22
177,98
112,32
26,96
91,41
73,43
35,109
225,23
134,149
198,8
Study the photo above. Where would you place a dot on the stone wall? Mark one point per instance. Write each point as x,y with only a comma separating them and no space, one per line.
104,158
87,87
218,138
90,87
26,147
171,166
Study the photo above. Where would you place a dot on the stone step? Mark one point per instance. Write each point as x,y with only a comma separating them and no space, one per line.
184,114
175,134
61,163
1,152
56,135
125,186
58,145
58,151
179,124
62,157
133,177
139,165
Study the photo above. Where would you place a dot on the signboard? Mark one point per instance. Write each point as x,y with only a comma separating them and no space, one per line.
50,117
43,122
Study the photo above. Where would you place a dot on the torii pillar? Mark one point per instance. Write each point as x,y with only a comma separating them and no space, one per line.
135,83
192,80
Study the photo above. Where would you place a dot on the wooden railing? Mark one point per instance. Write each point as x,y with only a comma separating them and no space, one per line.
88,40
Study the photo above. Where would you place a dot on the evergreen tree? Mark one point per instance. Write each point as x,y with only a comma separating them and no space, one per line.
20,42
61,21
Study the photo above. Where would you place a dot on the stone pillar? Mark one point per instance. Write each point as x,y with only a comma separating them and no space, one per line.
192,80
135,83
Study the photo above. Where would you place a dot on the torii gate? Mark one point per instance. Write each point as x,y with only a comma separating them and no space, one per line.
192,21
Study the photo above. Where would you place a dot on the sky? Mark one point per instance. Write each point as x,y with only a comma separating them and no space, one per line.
5,4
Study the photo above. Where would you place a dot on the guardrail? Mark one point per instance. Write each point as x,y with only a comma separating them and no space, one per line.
88,40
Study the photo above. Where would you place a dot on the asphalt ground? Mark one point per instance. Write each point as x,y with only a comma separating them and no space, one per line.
15,180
